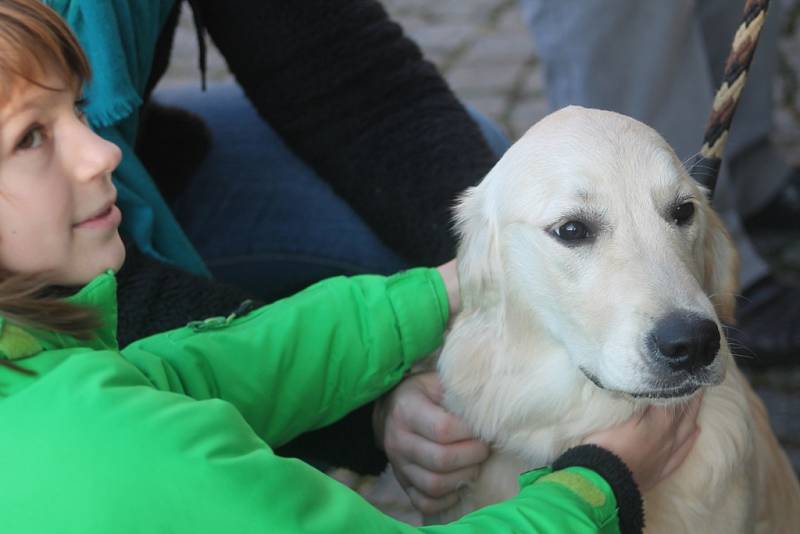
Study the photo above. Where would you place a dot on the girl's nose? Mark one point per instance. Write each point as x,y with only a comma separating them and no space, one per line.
92,156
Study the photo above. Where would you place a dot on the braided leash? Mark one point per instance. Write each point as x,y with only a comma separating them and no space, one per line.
705,168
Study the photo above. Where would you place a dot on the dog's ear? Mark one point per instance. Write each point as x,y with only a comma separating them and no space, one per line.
720,266
478,254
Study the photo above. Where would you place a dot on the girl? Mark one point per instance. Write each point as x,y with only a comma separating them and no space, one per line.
174,433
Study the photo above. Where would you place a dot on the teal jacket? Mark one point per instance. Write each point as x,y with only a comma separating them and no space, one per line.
175,432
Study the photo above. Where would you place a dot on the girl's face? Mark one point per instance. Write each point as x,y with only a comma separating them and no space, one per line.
58,216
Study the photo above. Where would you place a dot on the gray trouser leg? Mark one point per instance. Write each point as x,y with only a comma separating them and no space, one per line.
660,63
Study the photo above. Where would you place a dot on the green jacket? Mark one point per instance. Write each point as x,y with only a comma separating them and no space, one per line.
175,432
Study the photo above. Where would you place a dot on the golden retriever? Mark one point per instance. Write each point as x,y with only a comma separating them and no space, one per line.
594,277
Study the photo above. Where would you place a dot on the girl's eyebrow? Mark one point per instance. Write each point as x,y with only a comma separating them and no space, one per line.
23,100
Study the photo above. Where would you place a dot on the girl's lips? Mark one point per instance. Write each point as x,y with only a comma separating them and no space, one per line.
108,218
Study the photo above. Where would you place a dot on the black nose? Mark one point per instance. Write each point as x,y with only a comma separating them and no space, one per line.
687,341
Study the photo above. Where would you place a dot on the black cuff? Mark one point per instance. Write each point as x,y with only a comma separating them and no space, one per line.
619,477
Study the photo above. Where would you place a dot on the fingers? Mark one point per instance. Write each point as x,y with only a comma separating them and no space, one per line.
686,422
680,454
437,485
680,421
440,426
686,434
682,418
424,415
446,458
430,384
431,493
432,452
428,505
693,409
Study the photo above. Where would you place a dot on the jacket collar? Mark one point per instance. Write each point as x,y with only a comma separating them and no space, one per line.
18,342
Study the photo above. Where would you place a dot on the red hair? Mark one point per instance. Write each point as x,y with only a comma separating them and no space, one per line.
34,41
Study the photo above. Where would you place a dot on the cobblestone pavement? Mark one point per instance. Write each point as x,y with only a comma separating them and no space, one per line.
486,53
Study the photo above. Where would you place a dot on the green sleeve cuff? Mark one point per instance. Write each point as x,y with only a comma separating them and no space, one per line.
419,300
593,492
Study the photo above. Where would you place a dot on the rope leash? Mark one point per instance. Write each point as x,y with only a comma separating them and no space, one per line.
705,168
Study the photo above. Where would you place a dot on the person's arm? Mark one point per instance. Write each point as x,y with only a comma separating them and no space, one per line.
305,361
334,445
353,97
110,453
154,297
135,459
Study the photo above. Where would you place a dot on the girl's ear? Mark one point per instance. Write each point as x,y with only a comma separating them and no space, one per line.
720,267
478,253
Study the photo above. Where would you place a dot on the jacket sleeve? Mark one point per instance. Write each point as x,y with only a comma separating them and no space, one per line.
123,457
154,297
354,98
229,481
96,449
305,361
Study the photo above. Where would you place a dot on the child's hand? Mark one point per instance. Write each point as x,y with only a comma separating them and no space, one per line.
653,444
431,450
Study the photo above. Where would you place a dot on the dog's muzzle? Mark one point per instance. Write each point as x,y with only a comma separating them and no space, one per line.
679,388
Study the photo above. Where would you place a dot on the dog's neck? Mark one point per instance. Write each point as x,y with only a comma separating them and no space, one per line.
518,382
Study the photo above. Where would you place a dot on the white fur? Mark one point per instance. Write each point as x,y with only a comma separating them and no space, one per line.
539,317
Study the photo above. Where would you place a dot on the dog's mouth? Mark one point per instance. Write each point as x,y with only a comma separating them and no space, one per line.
684,390
668,390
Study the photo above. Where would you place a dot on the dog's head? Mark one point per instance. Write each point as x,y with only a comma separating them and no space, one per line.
589,231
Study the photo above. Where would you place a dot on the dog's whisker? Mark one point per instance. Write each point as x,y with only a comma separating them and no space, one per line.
733,329
736,349
692,160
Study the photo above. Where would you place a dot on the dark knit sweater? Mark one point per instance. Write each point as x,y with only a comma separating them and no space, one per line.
353,97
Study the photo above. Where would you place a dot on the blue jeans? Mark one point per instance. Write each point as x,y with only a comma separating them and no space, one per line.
259,216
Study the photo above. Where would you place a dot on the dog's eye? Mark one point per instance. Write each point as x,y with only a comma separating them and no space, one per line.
572,231
682,214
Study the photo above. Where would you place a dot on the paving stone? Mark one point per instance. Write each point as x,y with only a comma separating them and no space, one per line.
480,80
442,10
440,38
490,105
509,49
512,20
184,59
530,84
525,114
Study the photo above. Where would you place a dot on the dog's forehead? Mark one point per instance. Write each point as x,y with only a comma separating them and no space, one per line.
587,153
